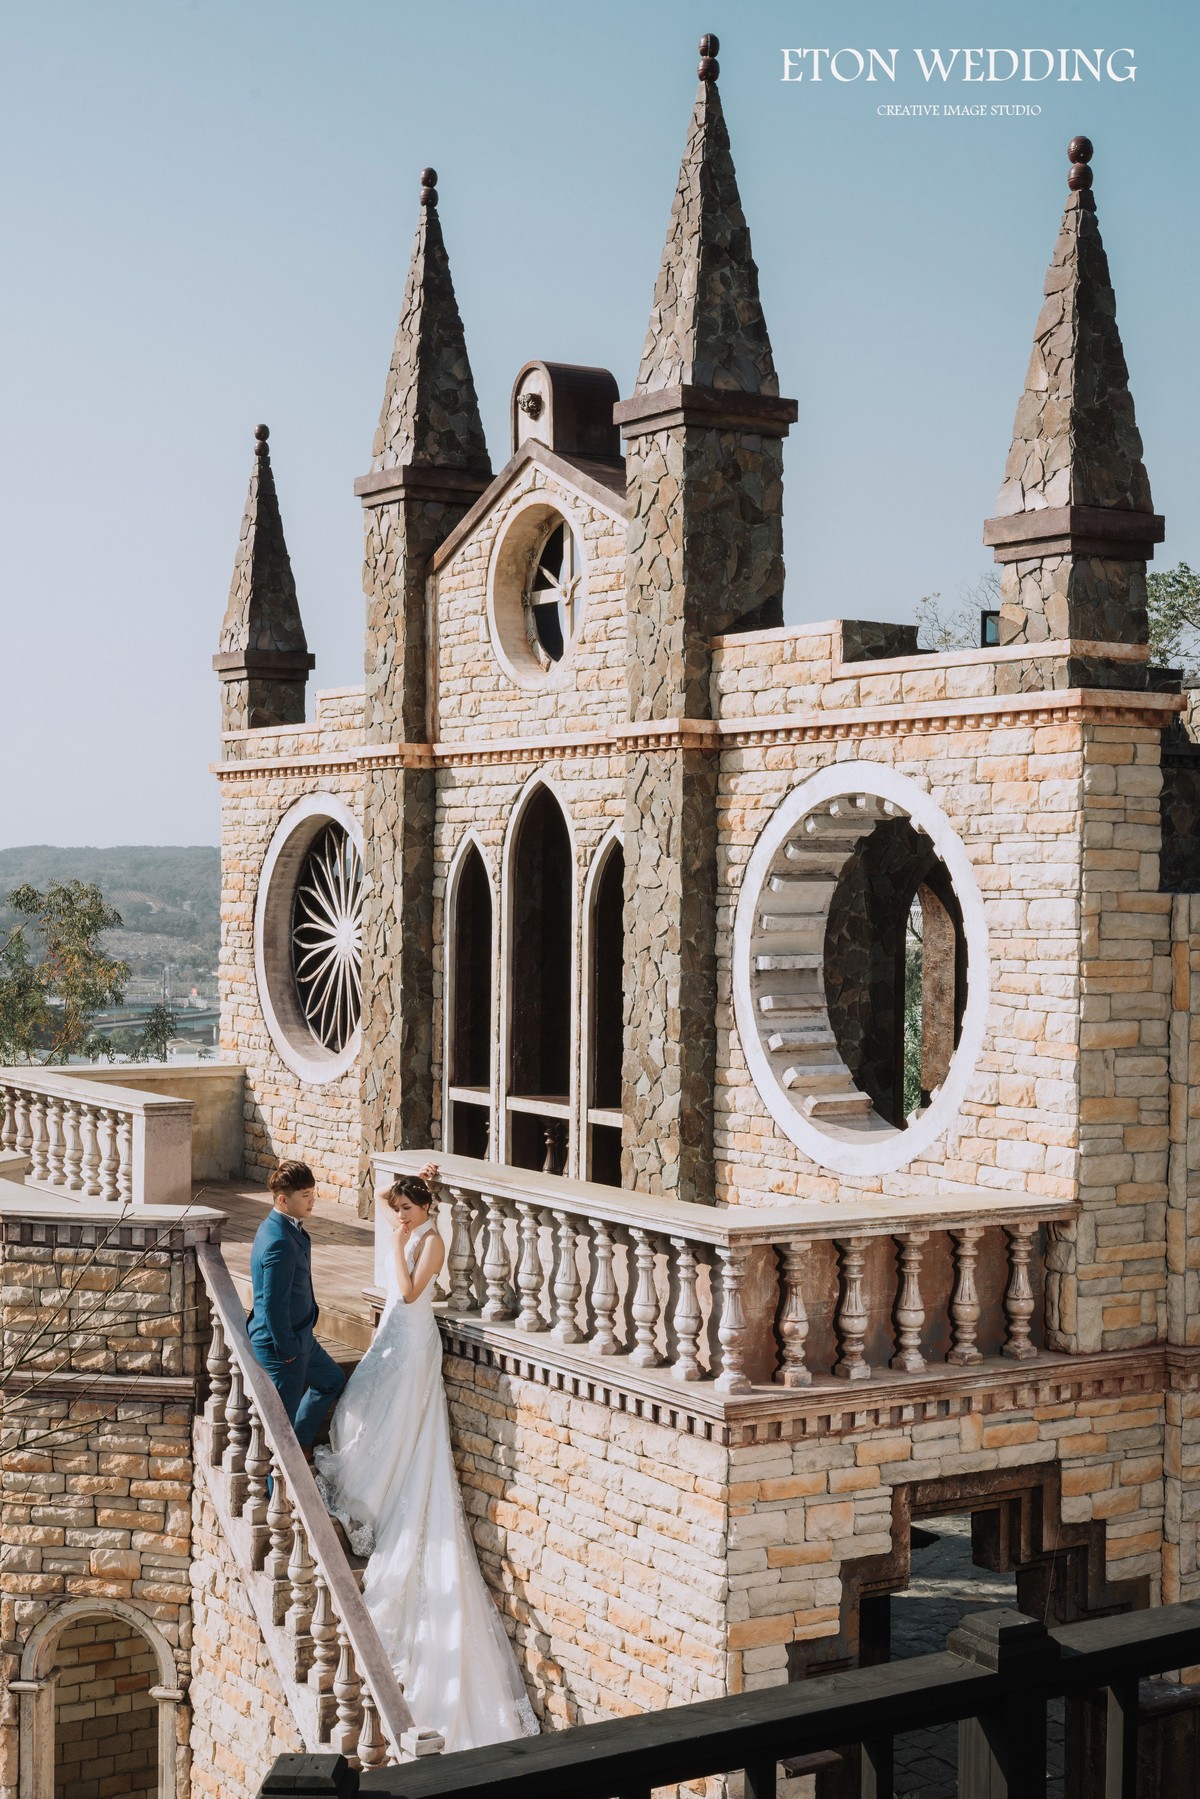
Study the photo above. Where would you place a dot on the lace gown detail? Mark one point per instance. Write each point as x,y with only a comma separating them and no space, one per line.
389,1475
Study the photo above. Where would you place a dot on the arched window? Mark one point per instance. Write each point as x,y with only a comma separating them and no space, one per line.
606,998
539,1084
469,1047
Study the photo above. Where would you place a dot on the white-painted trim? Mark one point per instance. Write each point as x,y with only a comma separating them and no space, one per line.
506,592
470,840
36,1720
614,838
882,1150
294,1042
504,946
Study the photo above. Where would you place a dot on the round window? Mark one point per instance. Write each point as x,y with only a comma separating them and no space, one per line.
536,592
308,938
860,969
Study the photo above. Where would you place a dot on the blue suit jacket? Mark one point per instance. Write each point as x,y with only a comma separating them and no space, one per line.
285,1309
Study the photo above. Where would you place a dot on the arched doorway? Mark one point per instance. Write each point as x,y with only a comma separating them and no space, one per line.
606,968
539,993
469,1009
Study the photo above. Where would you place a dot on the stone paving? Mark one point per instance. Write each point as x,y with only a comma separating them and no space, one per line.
945,1586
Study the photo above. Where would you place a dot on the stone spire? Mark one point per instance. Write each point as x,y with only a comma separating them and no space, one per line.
706,326
429,464
430,416
1075,522
263,659
704,556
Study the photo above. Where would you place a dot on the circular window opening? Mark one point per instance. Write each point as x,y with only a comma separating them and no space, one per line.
308,938
536,592
860,969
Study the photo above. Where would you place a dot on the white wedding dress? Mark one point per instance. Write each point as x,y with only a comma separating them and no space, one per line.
389,1475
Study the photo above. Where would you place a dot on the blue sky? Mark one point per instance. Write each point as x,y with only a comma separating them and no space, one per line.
207,217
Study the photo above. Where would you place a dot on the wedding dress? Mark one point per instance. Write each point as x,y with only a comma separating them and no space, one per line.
389,1476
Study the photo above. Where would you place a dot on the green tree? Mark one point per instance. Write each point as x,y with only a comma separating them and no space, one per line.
54,973
160,1026
1173,604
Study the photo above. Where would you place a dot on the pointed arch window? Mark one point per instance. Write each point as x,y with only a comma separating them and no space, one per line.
469,1044
539,1075
606,941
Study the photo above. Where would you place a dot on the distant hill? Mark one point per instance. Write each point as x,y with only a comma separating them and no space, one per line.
169,900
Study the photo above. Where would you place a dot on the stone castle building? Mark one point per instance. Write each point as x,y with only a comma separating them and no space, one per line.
803,1022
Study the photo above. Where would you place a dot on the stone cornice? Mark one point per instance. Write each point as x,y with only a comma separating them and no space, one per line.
1082,705
830,1407
711,408
414,482
273,665
30,1387
1114,533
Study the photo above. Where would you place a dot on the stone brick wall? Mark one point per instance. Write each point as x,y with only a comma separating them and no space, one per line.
105,1723
240,1716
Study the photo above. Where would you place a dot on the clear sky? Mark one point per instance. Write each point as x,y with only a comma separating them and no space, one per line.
207,216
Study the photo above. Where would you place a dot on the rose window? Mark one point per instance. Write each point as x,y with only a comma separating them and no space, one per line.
327,937
552,593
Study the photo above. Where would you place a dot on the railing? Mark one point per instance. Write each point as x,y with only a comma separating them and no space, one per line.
340,1684
995,1678
98,1142
741,1298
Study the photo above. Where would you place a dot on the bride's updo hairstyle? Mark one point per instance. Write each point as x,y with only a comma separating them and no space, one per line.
412,1188
291,1177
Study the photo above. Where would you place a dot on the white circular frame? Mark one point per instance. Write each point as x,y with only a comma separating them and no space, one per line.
290,1031
508,568
875,1147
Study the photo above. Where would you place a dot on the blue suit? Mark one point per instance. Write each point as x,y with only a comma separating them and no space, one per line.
282,1321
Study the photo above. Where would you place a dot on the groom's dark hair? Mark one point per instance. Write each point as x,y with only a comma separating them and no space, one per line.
409,1186
290,1177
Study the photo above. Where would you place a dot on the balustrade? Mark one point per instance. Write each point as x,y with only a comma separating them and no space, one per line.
343,1692
94,1141
742,1300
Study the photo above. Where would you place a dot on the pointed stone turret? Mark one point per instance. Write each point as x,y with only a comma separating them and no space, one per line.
1075,522
704,475
264,659
429,463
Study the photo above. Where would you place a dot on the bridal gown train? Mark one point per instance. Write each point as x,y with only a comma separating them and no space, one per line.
389,1475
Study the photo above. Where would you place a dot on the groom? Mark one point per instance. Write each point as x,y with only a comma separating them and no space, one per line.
285,1310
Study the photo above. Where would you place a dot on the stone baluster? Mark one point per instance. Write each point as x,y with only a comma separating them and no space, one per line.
372,1749
258,1467
851,1320
567,1285
8,1118
38,1138
109,1160
278,1557
731,1328
793,1370
23,1129
237,1417
604,1291
910,1307
497,1268
964,1301
1018,1297
461,1260
56,1146
72,1148
346,1690
644,1310
530,1275
218,1392
323,1631
91,1152
125,1159
300,1572
686,1320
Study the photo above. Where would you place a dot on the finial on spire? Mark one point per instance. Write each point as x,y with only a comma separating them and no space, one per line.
429,193
709,68
1079,154
261,434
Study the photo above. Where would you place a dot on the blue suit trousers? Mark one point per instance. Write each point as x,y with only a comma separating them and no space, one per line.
308,1386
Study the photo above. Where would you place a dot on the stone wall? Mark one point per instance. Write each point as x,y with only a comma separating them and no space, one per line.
105,1723
240,1715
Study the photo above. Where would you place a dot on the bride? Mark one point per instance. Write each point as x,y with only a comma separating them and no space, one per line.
389,1476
